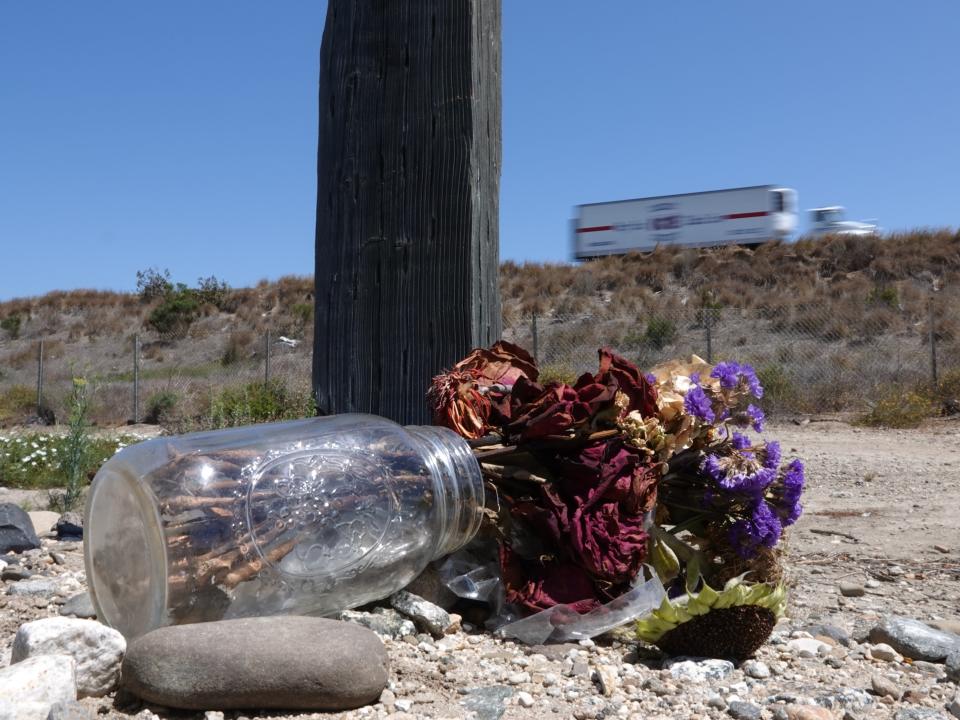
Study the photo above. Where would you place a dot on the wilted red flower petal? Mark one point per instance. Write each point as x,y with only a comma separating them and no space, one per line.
502,363
629,380
540,584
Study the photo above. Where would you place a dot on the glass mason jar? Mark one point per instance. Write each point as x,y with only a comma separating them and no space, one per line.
302,517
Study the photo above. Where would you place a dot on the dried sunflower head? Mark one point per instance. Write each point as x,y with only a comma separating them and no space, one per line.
731,623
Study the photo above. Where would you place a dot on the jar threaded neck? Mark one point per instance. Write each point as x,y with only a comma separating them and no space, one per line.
458,482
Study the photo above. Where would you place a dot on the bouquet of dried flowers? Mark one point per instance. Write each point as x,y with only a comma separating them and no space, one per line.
622,470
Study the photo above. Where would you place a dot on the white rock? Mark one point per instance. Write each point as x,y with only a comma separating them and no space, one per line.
756,669
882,651
519,678
808,647
608,679
43,679
403,705
698,670
24,710
96,649
525,699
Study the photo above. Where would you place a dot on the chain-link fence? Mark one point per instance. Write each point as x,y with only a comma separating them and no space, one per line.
811,357
150,377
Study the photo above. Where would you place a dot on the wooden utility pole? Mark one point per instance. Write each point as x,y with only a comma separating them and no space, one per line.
407,199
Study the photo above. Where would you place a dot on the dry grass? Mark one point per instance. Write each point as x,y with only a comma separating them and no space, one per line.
806,293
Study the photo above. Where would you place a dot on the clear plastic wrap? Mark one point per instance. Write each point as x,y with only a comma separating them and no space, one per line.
469,576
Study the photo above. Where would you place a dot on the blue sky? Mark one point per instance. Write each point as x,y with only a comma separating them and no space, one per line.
182,135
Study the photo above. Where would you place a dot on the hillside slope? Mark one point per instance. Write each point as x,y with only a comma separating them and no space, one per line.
789,305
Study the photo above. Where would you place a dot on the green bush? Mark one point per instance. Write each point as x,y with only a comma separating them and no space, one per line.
12,323
160,406
900,408
76,451
257,402
176,312
660,332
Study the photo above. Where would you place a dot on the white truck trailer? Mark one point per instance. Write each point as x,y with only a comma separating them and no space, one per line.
739,216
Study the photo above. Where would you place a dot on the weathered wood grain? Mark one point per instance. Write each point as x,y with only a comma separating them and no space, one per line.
407,235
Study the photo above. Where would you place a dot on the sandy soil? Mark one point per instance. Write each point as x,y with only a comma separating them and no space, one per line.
882,509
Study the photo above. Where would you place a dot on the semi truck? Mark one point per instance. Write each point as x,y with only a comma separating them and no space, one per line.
831,221
744,216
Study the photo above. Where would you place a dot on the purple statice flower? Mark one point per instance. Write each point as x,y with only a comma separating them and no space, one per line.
771,455
728,373
762,529
738,472
651,378
792,482
740,441
697,403
733,375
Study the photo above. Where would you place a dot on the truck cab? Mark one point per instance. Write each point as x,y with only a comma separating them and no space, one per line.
830,221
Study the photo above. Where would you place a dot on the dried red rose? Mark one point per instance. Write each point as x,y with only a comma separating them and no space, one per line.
458,403
475,393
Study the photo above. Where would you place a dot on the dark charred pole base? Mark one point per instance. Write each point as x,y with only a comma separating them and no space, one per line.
407,199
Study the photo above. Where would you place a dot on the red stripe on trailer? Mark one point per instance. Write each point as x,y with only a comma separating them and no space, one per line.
595,228
737,216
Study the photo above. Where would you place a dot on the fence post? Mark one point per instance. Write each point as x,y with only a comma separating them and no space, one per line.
535,340
266,357
136,378
933,343
40,380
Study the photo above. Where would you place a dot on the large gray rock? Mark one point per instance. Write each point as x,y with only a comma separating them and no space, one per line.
290,663
96,649
914,639
16,530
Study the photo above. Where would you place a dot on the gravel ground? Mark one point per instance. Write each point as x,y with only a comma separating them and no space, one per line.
881,515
